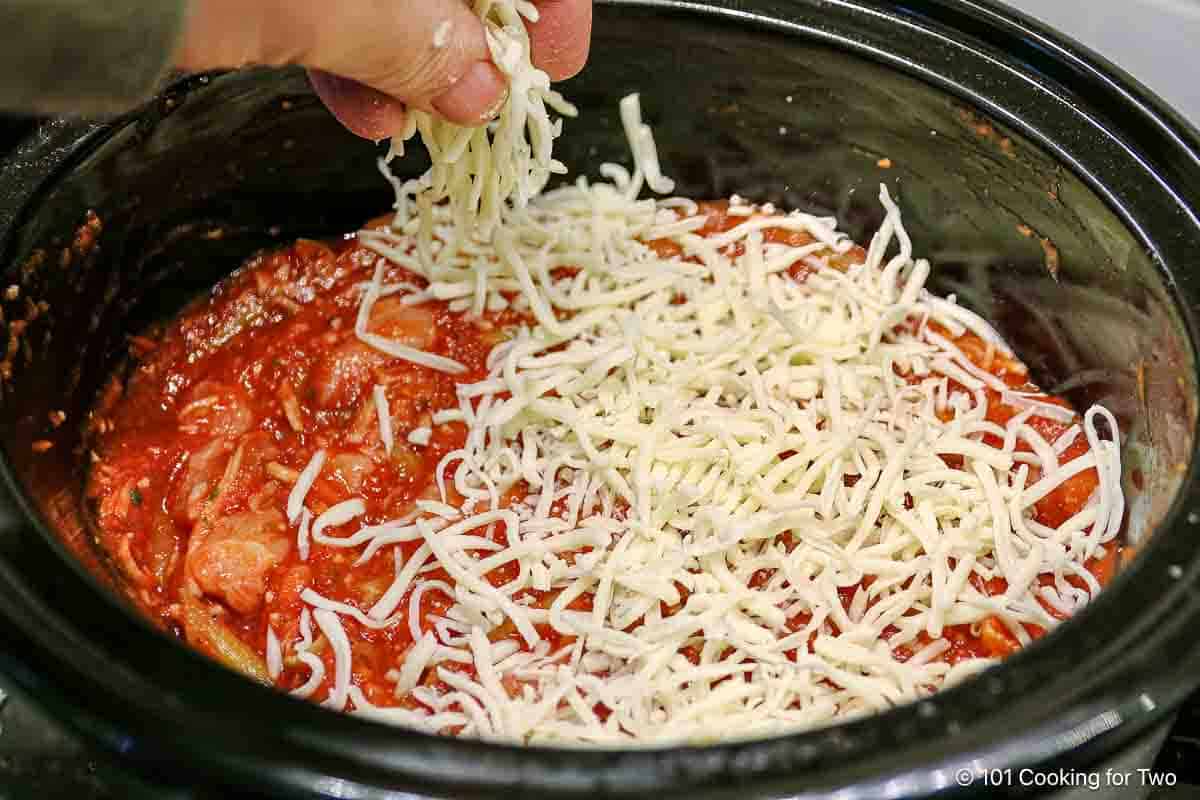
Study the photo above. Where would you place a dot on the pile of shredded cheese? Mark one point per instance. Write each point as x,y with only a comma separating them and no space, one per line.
684,426
674,450
478,170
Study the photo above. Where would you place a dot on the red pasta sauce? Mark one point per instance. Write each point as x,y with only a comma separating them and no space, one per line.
196,447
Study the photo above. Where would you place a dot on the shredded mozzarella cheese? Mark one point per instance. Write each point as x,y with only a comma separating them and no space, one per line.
711,450
311,660
339,514
302,534
385,418
331,626
308,476
274,655
508,160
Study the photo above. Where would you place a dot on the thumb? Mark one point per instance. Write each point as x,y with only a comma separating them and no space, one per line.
430,54
366,112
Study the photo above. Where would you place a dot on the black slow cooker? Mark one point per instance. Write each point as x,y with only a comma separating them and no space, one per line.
1055,196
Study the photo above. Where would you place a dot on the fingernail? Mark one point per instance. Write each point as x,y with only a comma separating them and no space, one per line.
477,96
365,111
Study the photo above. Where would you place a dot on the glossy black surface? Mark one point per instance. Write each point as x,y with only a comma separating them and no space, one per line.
992,128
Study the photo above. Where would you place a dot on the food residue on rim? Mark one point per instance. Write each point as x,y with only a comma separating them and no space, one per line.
984,129
1050,255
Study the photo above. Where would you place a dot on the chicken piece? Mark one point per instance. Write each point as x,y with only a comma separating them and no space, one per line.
364,425
245,471
205,477
414,326
116,502
218,409
346,372
231,562
351,469
201,476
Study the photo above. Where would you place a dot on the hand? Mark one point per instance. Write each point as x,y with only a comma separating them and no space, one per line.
369,59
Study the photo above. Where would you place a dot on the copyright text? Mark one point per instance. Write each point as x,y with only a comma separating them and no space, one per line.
1063,778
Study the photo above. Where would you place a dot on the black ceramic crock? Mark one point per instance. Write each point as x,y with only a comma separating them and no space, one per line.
1055,196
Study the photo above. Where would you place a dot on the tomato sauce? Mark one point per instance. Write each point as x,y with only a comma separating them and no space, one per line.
197,447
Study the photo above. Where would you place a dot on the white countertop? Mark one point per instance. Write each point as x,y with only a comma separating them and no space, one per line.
1155,41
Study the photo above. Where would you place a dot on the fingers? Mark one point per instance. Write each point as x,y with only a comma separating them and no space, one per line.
386,54
476,97
561,37
431,54
364,111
